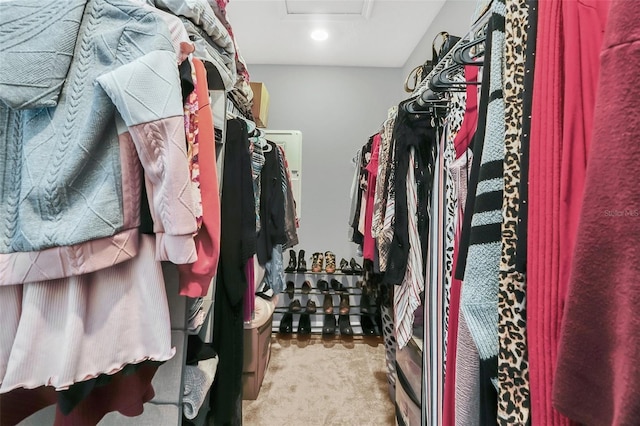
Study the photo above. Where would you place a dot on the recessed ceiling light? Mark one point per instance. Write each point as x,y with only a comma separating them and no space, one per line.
319,35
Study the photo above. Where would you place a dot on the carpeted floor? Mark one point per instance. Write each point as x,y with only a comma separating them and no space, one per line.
323,382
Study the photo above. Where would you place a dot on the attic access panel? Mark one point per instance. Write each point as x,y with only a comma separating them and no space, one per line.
331,8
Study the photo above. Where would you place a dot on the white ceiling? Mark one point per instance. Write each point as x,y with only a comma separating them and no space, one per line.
368,33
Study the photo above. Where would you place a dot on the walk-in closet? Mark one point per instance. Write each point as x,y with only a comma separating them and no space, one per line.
319,212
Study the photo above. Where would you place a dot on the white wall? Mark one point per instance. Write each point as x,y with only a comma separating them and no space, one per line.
337,109
455,17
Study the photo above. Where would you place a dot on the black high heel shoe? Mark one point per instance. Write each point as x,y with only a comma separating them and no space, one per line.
286,324
365,303
295,306
323,286
290,288
344,305
357,269
311,307
302,264
292,262
329,325
345,268
304,324
345,325
327,304
368,327
337,286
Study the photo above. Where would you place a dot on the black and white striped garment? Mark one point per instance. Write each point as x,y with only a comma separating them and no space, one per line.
479,298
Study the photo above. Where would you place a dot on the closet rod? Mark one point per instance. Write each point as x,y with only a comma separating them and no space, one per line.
478,25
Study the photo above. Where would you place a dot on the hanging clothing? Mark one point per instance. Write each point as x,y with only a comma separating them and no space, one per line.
353,209
411,131
364,182
406,298
479,295
96,233
272,229
467,357
191,131
237,246
71,312
597,377
383,226
250,293
124,392
458,172
196,277
567,60
359,206
290,215
382,183
368,247
212,41
513,367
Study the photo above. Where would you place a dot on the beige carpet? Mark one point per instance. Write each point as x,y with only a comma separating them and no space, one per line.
323,382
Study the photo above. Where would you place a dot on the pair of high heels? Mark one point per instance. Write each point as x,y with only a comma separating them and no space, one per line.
343,309
290,289
299,265
344,325
329,260
296,307
350,268
336,285
304,324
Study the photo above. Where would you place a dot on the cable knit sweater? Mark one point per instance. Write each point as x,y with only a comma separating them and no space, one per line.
70,181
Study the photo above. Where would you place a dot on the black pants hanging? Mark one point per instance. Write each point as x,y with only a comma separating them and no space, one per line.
237,246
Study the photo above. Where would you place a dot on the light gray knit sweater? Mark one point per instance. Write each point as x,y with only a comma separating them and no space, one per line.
479,297
66,176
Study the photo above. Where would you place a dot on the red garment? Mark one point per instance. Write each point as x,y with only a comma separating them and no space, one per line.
562,104
584,24
470,120
369,245
462,141
125,393
598,374
196,277
449,404
250,292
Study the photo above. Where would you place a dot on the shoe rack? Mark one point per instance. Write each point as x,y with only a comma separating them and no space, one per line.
337,286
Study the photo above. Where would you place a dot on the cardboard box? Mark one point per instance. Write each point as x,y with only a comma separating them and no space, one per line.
257,350
260,108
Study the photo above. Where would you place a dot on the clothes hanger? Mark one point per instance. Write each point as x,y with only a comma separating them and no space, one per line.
262,138
442,81
251,126
258,137
426,103
463,54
